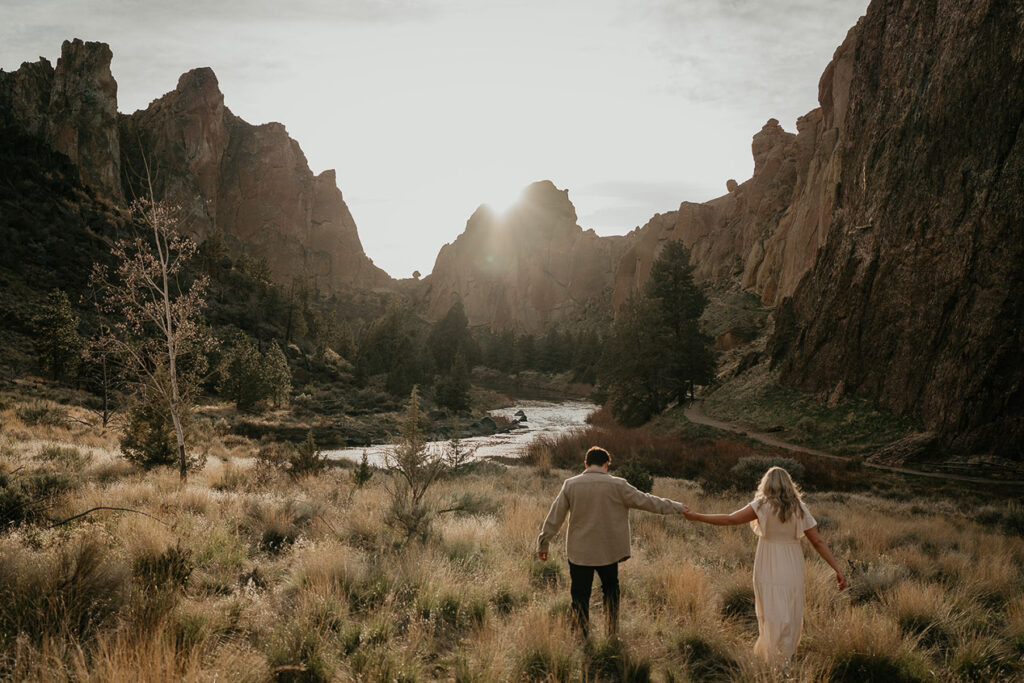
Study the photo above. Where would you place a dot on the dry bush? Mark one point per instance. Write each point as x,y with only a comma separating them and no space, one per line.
65,595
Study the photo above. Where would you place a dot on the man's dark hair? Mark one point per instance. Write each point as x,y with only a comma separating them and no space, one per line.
597,456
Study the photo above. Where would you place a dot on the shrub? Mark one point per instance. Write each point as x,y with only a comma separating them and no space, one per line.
747,472
705,660
148,438
861,667
544,665
24,496
66,456
43,413
297,653
170,568
982,660
68,595
306,458
362,473
738,603
633,472
279,527
610,661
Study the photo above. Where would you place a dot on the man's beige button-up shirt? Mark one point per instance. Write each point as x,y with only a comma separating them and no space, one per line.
598,506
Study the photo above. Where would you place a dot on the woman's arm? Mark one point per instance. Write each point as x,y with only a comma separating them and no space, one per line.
819,544
743,516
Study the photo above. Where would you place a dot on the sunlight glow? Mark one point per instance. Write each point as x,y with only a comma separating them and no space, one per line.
502,199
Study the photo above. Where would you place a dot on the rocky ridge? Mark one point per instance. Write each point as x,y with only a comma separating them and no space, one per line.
529,268
251,183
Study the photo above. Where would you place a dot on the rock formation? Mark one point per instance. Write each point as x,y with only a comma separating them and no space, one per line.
532,267
251,183
73,108
915,298
887,230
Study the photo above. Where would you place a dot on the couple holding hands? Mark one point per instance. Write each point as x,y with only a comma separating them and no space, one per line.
597,539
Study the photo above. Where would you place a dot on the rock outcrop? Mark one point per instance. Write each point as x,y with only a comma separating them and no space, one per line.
764,234
915,299
73,108
251,183
532,267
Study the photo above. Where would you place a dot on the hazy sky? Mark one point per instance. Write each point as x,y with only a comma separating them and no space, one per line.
429,108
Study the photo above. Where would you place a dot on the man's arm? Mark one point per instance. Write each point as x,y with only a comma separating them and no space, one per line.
556,515
632,497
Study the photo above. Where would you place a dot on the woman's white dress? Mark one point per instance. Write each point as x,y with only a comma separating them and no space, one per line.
778,580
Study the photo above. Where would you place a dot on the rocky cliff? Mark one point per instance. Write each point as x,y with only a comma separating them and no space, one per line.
527,269
915,298
764,233
73,108
251,183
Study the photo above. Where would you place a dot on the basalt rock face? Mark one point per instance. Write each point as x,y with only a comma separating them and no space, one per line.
73,108
251,183
533,267
915,298
764,234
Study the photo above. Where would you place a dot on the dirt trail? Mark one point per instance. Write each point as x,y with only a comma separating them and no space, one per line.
695,414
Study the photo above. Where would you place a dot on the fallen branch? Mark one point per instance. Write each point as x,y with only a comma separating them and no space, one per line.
104,507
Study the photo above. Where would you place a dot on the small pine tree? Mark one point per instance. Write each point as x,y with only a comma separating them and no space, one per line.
277,376
413,469
307,458
58,344
362,473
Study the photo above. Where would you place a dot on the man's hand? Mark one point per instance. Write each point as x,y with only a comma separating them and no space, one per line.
543,557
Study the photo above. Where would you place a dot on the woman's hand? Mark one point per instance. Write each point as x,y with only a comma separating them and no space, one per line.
841,580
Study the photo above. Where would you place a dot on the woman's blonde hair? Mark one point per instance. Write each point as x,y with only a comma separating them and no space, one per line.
778,489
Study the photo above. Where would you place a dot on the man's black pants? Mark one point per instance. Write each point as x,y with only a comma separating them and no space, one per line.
582,583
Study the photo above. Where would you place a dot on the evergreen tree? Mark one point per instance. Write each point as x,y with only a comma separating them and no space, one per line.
452,391
242,379
58,344
449,337
277,375
656,352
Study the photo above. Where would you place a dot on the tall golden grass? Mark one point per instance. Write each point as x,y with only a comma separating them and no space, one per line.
234,577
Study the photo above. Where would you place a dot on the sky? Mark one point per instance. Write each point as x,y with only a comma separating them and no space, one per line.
429,108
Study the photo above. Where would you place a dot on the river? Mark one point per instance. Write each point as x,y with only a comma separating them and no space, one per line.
545,418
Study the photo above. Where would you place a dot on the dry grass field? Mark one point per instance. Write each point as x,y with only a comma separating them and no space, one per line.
245,575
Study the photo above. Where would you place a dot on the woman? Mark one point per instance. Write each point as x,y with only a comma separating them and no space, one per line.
779,518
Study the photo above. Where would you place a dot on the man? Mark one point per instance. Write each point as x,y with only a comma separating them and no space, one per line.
597,539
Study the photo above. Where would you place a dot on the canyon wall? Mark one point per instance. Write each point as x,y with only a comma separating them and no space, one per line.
916,296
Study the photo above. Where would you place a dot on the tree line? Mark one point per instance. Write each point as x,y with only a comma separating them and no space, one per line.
173,319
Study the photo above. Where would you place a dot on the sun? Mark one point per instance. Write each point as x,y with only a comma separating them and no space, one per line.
501,199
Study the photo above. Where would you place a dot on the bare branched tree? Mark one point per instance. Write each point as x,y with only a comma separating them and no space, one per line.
155,306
